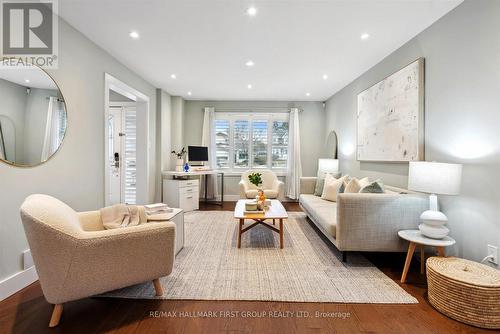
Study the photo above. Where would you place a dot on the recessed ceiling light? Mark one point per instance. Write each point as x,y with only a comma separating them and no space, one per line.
249,86
308,94
27,80
250,63
134,34
189,93
252,11
365,35
325,76
173,76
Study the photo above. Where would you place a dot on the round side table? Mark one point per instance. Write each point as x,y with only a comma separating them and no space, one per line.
416,238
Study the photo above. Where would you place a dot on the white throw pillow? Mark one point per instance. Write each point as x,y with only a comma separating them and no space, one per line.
355,185
364,182
332,187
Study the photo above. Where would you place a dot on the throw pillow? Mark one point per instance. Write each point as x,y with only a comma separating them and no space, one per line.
354,185
332,187
320,182
347,179
376,187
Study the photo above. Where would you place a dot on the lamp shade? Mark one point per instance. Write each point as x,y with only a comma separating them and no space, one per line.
435,177
328,165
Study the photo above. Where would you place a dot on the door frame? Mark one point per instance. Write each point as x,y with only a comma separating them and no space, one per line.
142,103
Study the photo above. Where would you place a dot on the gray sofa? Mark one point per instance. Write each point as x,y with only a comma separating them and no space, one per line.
363,222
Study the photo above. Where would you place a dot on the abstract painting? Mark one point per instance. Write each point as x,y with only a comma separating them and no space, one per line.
391,117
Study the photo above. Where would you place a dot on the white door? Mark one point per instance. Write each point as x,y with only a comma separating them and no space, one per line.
122,159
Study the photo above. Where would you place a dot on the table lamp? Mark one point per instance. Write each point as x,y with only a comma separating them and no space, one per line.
436,179
328,165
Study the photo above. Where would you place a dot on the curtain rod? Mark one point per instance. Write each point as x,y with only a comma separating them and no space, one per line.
57,98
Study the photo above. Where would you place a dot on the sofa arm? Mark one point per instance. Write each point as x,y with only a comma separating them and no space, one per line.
90,220
308,184
243,187
279,187
113,259
370,222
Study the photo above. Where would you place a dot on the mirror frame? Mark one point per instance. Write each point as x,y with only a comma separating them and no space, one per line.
13,164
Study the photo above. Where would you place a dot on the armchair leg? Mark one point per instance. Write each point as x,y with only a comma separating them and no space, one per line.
56,315
158,288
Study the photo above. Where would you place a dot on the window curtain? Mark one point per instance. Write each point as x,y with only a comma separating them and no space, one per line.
294,162
52,128
208,140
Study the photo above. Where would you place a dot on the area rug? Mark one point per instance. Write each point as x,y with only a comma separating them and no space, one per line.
308,269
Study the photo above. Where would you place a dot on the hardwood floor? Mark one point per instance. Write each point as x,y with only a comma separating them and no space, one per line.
28,312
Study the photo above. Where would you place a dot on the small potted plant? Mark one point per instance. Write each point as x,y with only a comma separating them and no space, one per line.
256,179
179,164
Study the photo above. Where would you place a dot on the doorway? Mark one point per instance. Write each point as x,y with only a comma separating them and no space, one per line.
126,163
122,158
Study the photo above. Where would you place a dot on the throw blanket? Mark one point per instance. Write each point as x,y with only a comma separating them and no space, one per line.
121,215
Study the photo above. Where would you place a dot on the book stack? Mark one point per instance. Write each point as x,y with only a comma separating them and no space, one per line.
157,208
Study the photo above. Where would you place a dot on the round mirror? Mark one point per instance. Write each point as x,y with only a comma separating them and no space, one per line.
33,115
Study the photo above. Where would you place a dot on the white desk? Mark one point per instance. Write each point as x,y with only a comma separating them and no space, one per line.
187,175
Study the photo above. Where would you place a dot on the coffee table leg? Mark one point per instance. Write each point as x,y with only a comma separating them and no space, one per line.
409,255
240,226
281,233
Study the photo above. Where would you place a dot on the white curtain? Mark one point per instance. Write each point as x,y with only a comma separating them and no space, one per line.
52,128
294,163
208,140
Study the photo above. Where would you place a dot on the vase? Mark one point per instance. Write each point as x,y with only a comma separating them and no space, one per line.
179,165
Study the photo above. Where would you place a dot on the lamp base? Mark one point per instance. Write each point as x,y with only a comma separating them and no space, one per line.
433,232
433,224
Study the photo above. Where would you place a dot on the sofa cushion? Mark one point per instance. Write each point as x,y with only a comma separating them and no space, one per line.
321,211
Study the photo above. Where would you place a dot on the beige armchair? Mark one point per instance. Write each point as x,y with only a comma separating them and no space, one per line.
273,188
75,257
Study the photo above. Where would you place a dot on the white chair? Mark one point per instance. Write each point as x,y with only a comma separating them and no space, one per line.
273,188
76,257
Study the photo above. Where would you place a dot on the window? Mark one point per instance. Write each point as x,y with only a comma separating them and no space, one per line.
259,144
222,143
251,140
279,150
241,136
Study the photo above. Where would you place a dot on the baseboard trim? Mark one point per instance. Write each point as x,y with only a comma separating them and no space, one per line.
16,282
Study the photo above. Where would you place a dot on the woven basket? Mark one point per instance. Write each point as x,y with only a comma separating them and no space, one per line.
464,290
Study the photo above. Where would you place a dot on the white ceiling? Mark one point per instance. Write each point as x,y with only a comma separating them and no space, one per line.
293,43
37,78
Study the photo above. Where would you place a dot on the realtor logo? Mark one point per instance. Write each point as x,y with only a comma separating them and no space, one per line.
29,32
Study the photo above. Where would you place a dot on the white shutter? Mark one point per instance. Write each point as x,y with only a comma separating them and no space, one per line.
130,156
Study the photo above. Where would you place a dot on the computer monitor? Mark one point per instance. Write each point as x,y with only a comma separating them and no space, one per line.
197,154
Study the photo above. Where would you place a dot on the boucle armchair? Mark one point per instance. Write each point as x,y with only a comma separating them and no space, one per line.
273,188
75,257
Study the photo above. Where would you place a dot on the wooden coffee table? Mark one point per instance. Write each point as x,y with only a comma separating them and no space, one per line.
276,211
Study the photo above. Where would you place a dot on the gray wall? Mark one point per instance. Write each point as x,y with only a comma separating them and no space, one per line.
462,101
117,97
178,117
76,173
311,129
